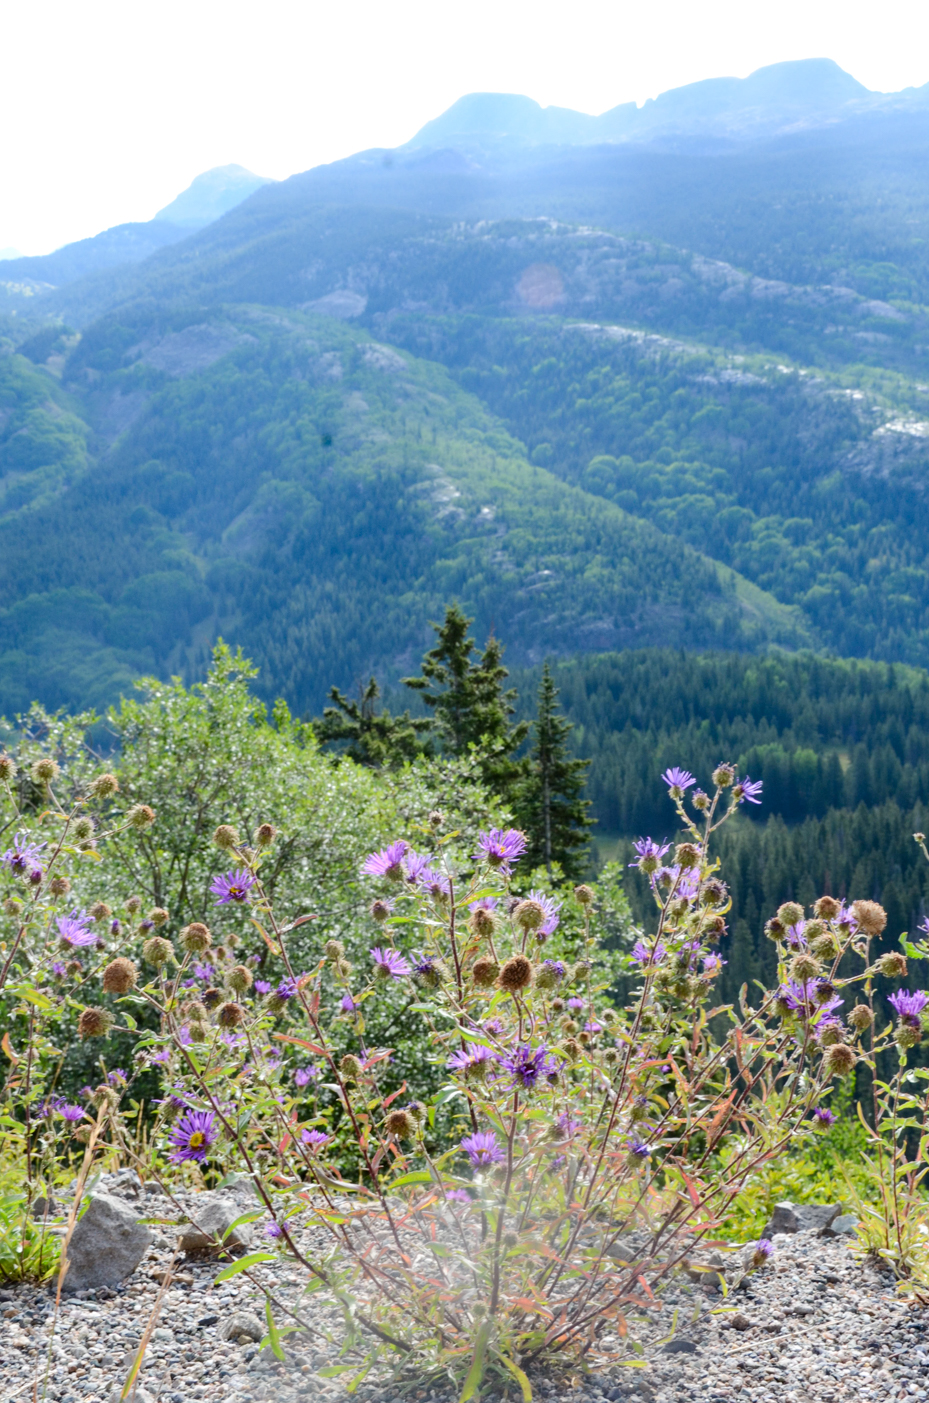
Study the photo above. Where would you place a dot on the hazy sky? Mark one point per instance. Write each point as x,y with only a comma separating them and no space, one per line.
109,108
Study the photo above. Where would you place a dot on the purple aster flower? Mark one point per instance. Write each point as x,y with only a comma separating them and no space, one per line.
551,908
567,1127
387,863
489,903
233,886
908,1005
72,1114
575,1003
193,1136
639,1149
494,1028
482,1149
115,927
678,781
592,1026
824,1116
435,884
262,986
117,1077
472,1060
747,789
414,865
527,1064
794,937
287,988
59,970
556,968
146,926
23,857
203,972
73,931
802,998
273,1230
304,1075
648,854
183,1035
712,964
500,848
162,1055
315,1140
388,964
763,1251
347,1004
458,1196
646,955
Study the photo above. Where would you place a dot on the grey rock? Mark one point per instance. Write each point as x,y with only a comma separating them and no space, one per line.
845,1223
801,1217
242,1323
783,1219
46,1208
107,1245
679,1347
140,1395
212,1216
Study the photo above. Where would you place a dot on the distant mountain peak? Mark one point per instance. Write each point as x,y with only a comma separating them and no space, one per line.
210,195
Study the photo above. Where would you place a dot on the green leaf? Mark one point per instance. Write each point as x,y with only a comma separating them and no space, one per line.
520,1378
243,1264
34,997
273,1337
417,1176
251,1217
473,1381
332,1371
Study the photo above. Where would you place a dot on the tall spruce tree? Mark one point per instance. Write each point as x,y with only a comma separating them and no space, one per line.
375,738
464,690
550,807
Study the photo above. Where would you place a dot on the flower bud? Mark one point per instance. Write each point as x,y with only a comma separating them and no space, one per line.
893,965
59,886
558,1005
871,917
529,915
192,1011
230,1015
104,786
120,976
379,910
94,1023
158,916
569,1027
7,769
239,978
140,816
687,856
484,972
828,1033
825,946
516,974
83,828
45,770
350,1068
723,776
199,1032
157,951
840,1059
611,1057
400,1123
226,837
700,800
334,949
860,1017
584,895
790,913
11,907
100,911
805,966
343,968
133,904
74,968
196,938
571,1049
265,835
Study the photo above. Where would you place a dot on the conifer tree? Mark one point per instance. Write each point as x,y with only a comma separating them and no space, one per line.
375,738
464,690
550,807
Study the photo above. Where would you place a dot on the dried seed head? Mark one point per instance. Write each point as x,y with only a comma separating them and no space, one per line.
584,1038
59,886
893,965
265,835
192,1010
343,968
239,978
379,910
516,974
558,1005
226,837
860,1017
484,972
571,1049
790,913
230,1015
829,1034
871,917
805,966
436,819
158,916
140,816
529,915
196,938
481,922
827,907
723,776
350,1067
569,1026
83,828
7,769
334,949
825,946
74,968
45,770
133,904
120,976
211,997
199,1032
905,1036
840,1059
94,1023
100,911
417,1110
687,856
584,895
774,929
157,951
401,1124
11,907
611,1057
104,786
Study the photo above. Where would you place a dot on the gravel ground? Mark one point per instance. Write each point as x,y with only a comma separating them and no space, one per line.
810,1324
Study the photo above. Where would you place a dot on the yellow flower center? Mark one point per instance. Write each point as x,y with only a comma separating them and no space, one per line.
196,1140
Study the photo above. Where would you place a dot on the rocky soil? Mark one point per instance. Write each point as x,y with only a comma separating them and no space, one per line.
811,1324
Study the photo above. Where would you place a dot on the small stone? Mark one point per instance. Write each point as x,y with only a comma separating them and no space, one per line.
844,1225
679,1347
242,1323
107,1244
213,1215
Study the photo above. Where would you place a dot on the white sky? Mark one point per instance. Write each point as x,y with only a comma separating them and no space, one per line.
109,108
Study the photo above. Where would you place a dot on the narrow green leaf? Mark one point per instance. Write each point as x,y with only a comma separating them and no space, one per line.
273,1336
416,1176
520,1378
243,1264
473,1382
332,1371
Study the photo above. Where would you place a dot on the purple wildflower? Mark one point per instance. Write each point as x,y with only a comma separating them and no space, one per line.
824,1116
414,865
232,886
73,931
387,863
646,955
72,1114
161,1056
59,970
500,848
273,1230
749,789
287,988
482,1149
192,1136
347,1004
472,1060
315,1140
435,884
639,1149
262,986
908,1005
494,1028
489,903
648,854
551,908
388,964
712,964
678,781
457,1196
146,926
556,968
527,1064
203,972
116,927
567,1127
23,857
304,1075
795,939
762,1252
117,1077
575,1002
